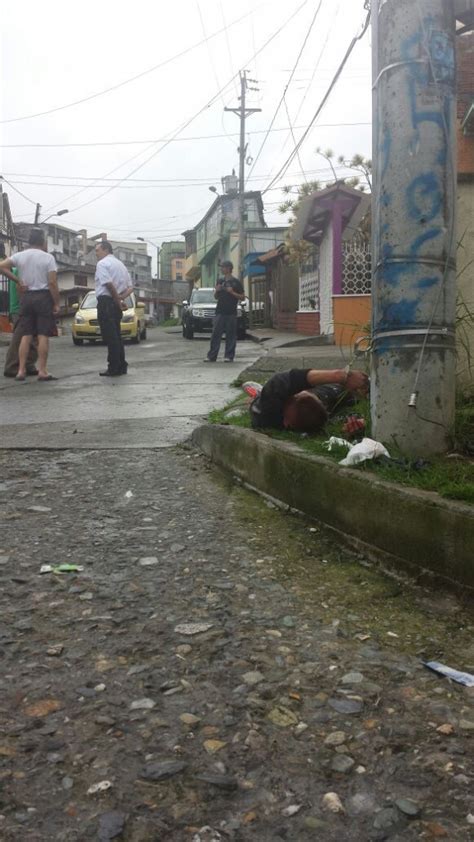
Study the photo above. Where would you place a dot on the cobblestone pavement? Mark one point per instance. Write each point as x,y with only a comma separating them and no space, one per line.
218,670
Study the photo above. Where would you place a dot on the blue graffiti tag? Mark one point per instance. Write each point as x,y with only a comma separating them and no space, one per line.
424,197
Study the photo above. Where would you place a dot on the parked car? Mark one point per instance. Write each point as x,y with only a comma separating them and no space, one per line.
198,313
86,324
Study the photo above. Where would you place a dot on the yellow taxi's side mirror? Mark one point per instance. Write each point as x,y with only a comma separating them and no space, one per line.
75,306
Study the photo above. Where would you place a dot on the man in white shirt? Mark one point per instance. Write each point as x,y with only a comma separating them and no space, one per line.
112,286
37,280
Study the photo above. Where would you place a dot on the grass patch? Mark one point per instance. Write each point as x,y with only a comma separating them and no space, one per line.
451,477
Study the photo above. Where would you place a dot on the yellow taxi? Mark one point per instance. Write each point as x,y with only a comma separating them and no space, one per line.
86,325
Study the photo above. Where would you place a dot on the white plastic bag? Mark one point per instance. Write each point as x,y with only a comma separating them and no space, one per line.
366,449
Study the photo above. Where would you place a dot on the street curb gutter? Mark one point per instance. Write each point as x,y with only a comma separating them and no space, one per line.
419,532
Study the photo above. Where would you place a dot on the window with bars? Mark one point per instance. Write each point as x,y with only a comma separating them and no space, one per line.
309,290
356,267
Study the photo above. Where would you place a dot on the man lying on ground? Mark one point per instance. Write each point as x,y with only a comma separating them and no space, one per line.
302,399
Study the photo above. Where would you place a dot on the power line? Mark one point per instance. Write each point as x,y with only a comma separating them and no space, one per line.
19,191
188,122
212,63
129,80
146,182
294,138
186,139
229,52
325,98
305,40
316,66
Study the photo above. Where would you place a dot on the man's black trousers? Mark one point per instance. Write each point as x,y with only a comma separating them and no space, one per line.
109,316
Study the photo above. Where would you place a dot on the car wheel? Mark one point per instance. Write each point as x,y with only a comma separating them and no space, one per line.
77,341
137,337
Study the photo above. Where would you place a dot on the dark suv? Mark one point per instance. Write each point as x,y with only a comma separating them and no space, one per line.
198,314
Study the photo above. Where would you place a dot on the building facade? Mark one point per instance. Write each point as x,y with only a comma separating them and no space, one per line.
216,237
170,252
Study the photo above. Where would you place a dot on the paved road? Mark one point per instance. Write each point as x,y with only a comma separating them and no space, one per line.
300,676
167,391
298,708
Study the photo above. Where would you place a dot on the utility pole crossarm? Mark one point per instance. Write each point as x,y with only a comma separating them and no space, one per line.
247,111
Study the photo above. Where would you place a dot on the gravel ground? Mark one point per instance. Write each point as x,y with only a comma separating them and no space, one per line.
218,670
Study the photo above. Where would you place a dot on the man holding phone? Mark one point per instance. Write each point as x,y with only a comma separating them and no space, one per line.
228,292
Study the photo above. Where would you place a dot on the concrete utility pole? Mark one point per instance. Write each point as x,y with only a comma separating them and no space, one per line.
414,235
37,213
242,112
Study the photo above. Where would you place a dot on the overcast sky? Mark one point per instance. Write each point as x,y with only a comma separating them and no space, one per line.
54,54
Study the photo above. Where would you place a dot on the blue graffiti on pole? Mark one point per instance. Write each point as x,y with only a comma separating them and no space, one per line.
399,313
424,238
428,64
426,283
424,197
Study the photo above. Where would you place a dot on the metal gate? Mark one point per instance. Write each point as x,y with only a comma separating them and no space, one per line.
259,302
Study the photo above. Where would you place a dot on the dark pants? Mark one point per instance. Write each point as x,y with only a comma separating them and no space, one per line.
11,360
227,325
109,316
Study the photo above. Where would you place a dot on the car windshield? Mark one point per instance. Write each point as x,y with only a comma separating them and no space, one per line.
90,302
203,296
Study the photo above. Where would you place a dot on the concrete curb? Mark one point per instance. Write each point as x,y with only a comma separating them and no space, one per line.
419,532
281,342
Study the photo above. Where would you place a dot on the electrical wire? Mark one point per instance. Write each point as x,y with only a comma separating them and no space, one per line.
316,66
186,139
147,182
188,122
321,53
19,191
294,138
320,107
293,71
213,68
130,79
211,58
229,52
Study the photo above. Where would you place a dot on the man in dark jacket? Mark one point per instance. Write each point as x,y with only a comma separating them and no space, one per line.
302,399
229,291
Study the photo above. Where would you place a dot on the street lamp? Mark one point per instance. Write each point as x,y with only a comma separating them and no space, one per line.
214,190
156,246
58,213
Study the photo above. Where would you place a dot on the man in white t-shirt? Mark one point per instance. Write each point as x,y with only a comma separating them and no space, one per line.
112,285
37,280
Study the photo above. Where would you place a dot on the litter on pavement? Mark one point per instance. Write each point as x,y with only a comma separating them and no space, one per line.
61,568
455,675
102,786
360,452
